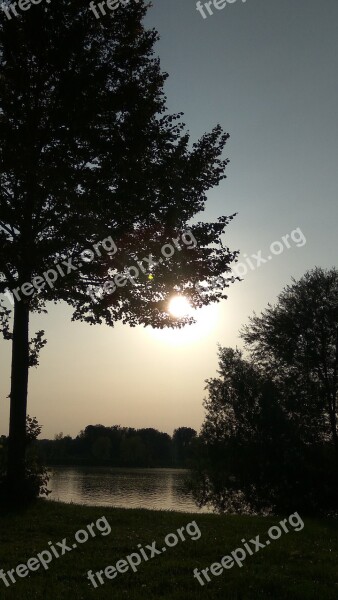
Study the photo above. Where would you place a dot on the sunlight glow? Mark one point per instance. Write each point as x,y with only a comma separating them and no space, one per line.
207,320
179,307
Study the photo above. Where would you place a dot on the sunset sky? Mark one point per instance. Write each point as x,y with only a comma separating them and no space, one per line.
265,70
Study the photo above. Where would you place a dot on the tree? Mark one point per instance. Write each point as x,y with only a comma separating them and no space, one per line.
101,448
133,451
297,340
36,476
182,442
89,154
270,433
158,447
242,438
255,455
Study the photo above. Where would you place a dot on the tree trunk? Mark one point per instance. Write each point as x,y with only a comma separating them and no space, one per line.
335,392
18,396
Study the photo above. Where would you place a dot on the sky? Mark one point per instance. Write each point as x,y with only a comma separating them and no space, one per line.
266,71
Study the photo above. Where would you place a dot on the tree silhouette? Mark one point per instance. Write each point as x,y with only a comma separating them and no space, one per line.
297,340
243,454
182,444
269,439
89,154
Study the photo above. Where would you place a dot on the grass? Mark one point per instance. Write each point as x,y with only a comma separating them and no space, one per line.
299,565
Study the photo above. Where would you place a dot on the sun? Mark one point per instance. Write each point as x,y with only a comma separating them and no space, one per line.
206,322
180,307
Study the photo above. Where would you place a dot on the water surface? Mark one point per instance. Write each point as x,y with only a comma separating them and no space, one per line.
126,488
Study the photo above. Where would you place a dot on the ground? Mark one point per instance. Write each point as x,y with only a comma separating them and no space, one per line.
298,565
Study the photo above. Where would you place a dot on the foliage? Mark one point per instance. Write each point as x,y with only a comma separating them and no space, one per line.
36,475
297,342
120,447
269,440
89,153
183,438
78,166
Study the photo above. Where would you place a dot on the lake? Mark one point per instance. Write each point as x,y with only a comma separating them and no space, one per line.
124,488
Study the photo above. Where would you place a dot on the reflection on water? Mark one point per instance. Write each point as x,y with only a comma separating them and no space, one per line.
126,488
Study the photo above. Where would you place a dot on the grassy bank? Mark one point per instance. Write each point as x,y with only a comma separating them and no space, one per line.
299,565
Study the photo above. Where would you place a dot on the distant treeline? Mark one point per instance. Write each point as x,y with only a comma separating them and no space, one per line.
120,447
